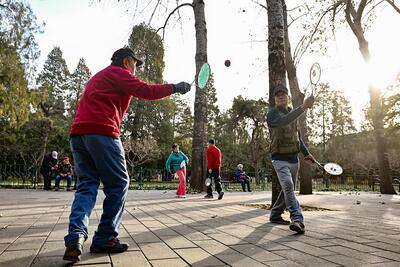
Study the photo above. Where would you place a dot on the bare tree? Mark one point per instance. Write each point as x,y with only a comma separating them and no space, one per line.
276,63
199,167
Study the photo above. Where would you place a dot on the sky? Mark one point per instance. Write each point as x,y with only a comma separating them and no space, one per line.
236,30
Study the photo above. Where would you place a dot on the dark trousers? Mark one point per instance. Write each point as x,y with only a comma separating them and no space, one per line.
245,182
47,180
217,181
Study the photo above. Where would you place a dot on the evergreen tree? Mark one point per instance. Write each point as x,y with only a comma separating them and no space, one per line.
53,84
77,84
212,108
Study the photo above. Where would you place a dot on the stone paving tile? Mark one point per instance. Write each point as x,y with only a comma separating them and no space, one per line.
214,247
355,254
300,246
283,263
154,251
54,261
129,258
354,245
178,242
52,248
227,239
11,233
304,259
270,245
144,237
383,264
37,232
23,243
256,253
344,260
385,246
239,260
350,236
198,257
169,263
388,255
132,244
17,258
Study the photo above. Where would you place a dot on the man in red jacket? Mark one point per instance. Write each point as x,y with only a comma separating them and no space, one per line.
98,152
214,157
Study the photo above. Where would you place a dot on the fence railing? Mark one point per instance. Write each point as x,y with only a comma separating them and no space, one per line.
28,176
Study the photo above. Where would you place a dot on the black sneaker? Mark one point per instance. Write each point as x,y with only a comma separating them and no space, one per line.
220,195
279,220
111,246
74,249
297,227
208,196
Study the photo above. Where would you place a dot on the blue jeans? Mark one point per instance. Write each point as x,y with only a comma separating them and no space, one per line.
98,158
287,175
58,178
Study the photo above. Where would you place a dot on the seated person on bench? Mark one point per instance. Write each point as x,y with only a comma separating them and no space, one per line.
64,171
241,176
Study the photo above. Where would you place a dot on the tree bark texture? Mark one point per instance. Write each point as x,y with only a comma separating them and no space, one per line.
353,18
297,98
199,163
276,64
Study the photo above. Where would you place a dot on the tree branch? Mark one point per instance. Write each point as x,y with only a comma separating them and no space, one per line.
373,7
393,5
360,11
299,53
170,14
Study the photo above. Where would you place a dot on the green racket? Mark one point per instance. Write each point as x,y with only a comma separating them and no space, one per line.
204,75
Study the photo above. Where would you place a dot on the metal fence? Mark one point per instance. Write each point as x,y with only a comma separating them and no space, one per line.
27,176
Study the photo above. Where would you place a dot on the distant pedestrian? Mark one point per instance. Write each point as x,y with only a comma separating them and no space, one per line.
242,178
214,159
48,168
64,171
178,160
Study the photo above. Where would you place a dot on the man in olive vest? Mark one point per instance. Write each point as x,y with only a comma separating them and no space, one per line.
286,143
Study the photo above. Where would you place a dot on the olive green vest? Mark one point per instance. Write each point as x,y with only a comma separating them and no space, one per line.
285,140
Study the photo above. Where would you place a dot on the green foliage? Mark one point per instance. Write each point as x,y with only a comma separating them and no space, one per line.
212,107
17,29
76,86
53,84
330,116
392,104
15,97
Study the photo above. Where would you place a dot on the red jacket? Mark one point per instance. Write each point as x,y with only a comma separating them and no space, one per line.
214,157
106,98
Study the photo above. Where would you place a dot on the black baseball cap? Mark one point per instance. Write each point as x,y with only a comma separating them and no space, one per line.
281,88
126,52
211,141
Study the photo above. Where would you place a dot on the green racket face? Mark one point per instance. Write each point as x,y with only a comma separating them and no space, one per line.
203,76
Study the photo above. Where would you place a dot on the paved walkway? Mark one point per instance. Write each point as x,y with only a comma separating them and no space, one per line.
364,230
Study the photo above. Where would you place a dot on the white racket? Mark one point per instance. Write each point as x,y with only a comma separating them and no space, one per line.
315,75
331,168
207,182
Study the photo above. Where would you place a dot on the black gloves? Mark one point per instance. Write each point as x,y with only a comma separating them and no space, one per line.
181,87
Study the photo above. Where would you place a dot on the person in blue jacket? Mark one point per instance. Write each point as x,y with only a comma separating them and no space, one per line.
243,178
178,160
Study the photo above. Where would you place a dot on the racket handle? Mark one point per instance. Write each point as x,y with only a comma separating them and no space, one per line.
192,82
319,164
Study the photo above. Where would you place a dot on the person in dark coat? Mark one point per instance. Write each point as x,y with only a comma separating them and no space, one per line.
242,178
48,168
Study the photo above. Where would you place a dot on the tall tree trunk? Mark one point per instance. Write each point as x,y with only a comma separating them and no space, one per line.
297,98
276,64
199,167
386,186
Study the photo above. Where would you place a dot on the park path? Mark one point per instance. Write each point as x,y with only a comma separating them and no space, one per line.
362,230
